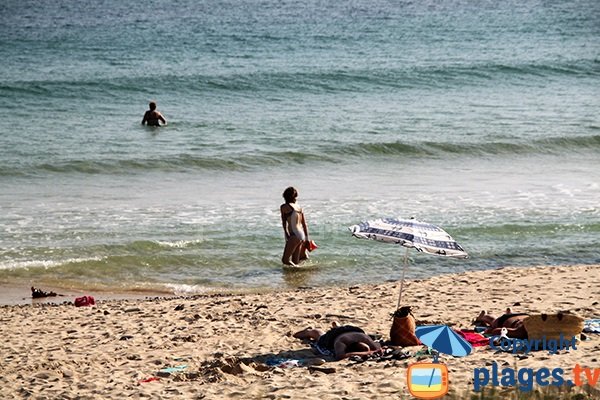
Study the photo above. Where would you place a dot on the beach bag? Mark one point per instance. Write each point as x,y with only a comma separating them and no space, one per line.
403,328
84,301
552,326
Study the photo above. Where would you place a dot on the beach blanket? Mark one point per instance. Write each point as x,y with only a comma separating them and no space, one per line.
281,362
591,326
474,338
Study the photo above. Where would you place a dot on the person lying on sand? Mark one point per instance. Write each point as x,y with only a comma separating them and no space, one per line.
340,341
38,293
513,323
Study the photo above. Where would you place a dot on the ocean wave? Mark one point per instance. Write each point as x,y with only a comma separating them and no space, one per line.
440,149
326,153
45,264
179,244
186,289
316,81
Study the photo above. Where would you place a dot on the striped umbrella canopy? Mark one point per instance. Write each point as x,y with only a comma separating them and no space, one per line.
410,233
443,339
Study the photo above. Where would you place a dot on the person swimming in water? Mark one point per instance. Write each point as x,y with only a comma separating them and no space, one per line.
152,116
294,229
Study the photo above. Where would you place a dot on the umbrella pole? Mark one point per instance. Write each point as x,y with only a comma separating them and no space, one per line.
402,280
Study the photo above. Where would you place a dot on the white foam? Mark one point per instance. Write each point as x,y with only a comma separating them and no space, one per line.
186,290
47,264
179,244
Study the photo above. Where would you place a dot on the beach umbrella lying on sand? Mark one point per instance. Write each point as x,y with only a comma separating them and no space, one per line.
421,236
443,339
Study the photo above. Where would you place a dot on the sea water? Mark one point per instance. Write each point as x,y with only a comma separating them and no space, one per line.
479,116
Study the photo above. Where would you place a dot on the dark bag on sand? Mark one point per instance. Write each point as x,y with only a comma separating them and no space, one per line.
403,328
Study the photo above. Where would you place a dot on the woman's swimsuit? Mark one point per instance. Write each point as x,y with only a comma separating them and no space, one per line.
295,223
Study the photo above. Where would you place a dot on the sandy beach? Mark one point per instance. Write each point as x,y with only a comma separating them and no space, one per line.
221,345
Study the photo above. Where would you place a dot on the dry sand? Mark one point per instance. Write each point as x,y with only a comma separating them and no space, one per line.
105,351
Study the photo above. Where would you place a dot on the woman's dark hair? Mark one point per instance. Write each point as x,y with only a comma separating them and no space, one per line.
290,194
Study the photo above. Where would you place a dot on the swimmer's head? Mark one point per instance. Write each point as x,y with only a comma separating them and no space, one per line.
152,105
290,194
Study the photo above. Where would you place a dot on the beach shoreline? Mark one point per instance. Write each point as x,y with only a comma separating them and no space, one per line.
19,294
117,348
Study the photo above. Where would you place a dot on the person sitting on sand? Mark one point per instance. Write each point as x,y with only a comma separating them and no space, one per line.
152,116
340,341
513,323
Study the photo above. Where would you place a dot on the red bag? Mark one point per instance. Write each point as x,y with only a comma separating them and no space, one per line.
84,301
312,246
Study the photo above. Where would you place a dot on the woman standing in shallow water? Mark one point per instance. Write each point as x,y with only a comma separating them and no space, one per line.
294,229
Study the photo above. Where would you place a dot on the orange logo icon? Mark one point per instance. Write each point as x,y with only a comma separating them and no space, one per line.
427,380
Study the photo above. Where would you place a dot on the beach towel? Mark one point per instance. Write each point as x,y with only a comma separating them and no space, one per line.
281,362
591,326
474,338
